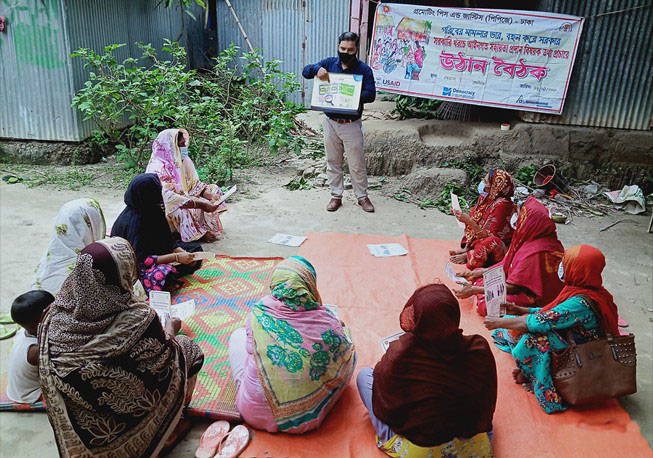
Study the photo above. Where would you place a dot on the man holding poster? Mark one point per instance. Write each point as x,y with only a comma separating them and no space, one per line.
343,130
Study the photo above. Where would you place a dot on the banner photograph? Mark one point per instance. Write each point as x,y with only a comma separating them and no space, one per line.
508,59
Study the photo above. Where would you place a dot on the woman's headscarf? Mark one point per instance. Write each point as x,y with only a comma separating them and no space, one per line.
303,355
78,223
143,223
582,266
434,384
113,381
535,233
178,176
492,212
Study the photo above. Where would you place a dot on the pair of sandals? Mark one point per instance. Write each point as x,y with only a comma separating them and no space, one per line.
7,326
218,442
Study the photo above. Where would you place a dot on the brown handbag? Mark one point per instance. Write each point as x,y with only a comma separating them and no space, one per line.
596,370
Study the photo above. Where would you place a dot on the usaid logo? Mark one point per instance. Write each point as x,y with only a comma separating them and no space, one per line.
391,83
446,91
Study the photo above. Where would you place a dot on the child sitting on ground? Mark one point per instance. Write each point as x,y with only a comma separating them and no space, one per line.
23,381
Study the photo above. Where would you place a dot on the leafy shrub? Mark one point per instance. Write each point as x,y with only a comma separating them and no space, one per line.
416,107
229,112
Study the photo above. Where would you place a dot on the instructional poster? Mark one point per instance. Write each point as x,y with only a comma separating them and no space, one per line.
501,58
341,94
494,283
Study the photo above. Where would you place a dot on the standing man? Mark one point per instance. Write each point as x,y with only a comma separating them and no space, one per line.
343,132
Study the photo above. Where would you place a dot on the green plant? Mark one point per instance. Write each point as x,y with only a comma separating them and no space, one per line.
526,174
184,6
415,107
298,183
443,203
228,112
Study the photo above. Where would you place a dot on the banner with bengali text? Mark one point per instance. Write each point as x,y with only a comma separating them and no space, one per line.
502,58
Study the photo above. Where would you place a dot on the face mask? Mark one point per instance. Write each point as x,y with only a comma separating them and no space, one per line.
513,221
481,188
184,151
561,273
346,58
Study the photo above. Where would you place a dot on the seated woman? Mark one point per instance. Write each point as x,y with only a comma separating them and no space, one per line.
530,265
487,227
434,392
581,271
189,203
294,359
115,381
79,223
143,223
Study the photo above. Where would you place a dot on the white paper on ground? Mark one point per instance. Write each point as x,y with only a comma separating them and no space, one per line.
451,273
385,343
287,240
160,302
494,283
227,194
183,310
203,255
333,309
387,249
455,204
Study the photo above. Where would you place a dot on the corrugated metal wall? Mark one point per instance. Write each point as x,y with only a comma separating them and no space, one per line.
277,28
39,78
611,81
35,81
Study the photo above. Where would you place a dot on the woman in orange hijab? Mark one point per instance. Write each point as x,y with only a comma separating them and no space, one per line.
574,309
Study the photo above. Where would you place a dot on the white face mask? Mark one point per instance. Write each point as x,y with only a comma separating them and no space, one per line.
561,273
184,151
481,188
513,221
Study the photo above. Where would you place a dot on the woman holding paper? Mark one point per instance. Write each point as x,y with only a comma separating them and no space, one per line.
143,223
191,206
294,358
530,265
115,382
434,392
584,306
487,226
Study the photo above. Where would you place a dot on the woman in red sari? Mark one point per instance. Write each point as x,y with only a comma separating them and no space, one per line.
531,264
487,226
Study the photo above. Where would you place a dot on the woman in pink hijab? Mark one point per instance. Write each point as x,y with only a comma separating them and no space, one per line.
191,206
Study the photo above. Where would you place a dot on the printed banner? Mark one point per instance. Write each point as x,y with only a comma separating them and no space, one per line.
509,59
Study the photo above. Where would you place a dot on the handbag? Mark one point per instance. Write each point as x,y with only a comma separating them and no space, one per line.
596,370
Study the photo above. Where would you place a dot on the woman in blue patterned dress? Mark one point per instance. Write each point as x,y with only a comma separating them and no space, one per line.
534,333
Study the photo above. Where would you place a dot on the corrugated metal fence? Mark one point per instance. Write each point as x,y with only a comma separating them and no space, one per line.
611,81
278,28
37,76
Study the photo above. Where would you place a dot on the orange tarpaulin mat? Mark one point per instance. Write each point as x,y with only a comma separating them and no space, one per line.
370,292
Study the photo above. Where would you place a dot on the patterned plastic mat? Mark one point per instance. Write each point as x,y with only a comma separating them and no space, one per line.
224,290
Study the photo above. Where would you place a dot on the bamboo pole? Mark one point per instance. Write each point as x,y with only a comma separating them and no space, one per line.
240,26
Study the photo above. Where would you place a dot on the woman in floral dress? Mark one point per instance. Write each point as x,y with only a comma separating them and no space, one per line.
294,358
581,272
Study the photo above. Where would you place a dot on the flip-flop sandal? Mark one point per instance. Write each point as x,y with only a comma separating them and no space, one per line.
211,438
621,323
7,331
235,442
5,318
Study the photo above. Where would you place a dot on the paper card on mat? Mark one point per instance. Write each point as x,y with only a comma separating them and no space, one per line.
183,310
455,204
287,240
385,343
451,273
387,249
203,255
227,194
494,283
160,302
333,309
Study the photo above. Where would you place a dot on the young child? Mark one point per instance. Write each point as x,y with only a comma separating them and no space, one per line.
23,381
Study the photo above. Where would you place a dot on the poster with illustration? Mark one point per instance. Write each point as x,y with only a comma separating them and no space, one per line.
341,94
502,58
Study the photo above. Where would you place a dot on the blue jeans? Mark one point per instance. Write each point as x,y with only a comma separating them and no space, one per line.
364,382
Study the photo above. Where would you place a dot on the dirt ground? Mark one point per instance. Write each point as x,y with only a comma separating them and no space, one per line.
26,216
